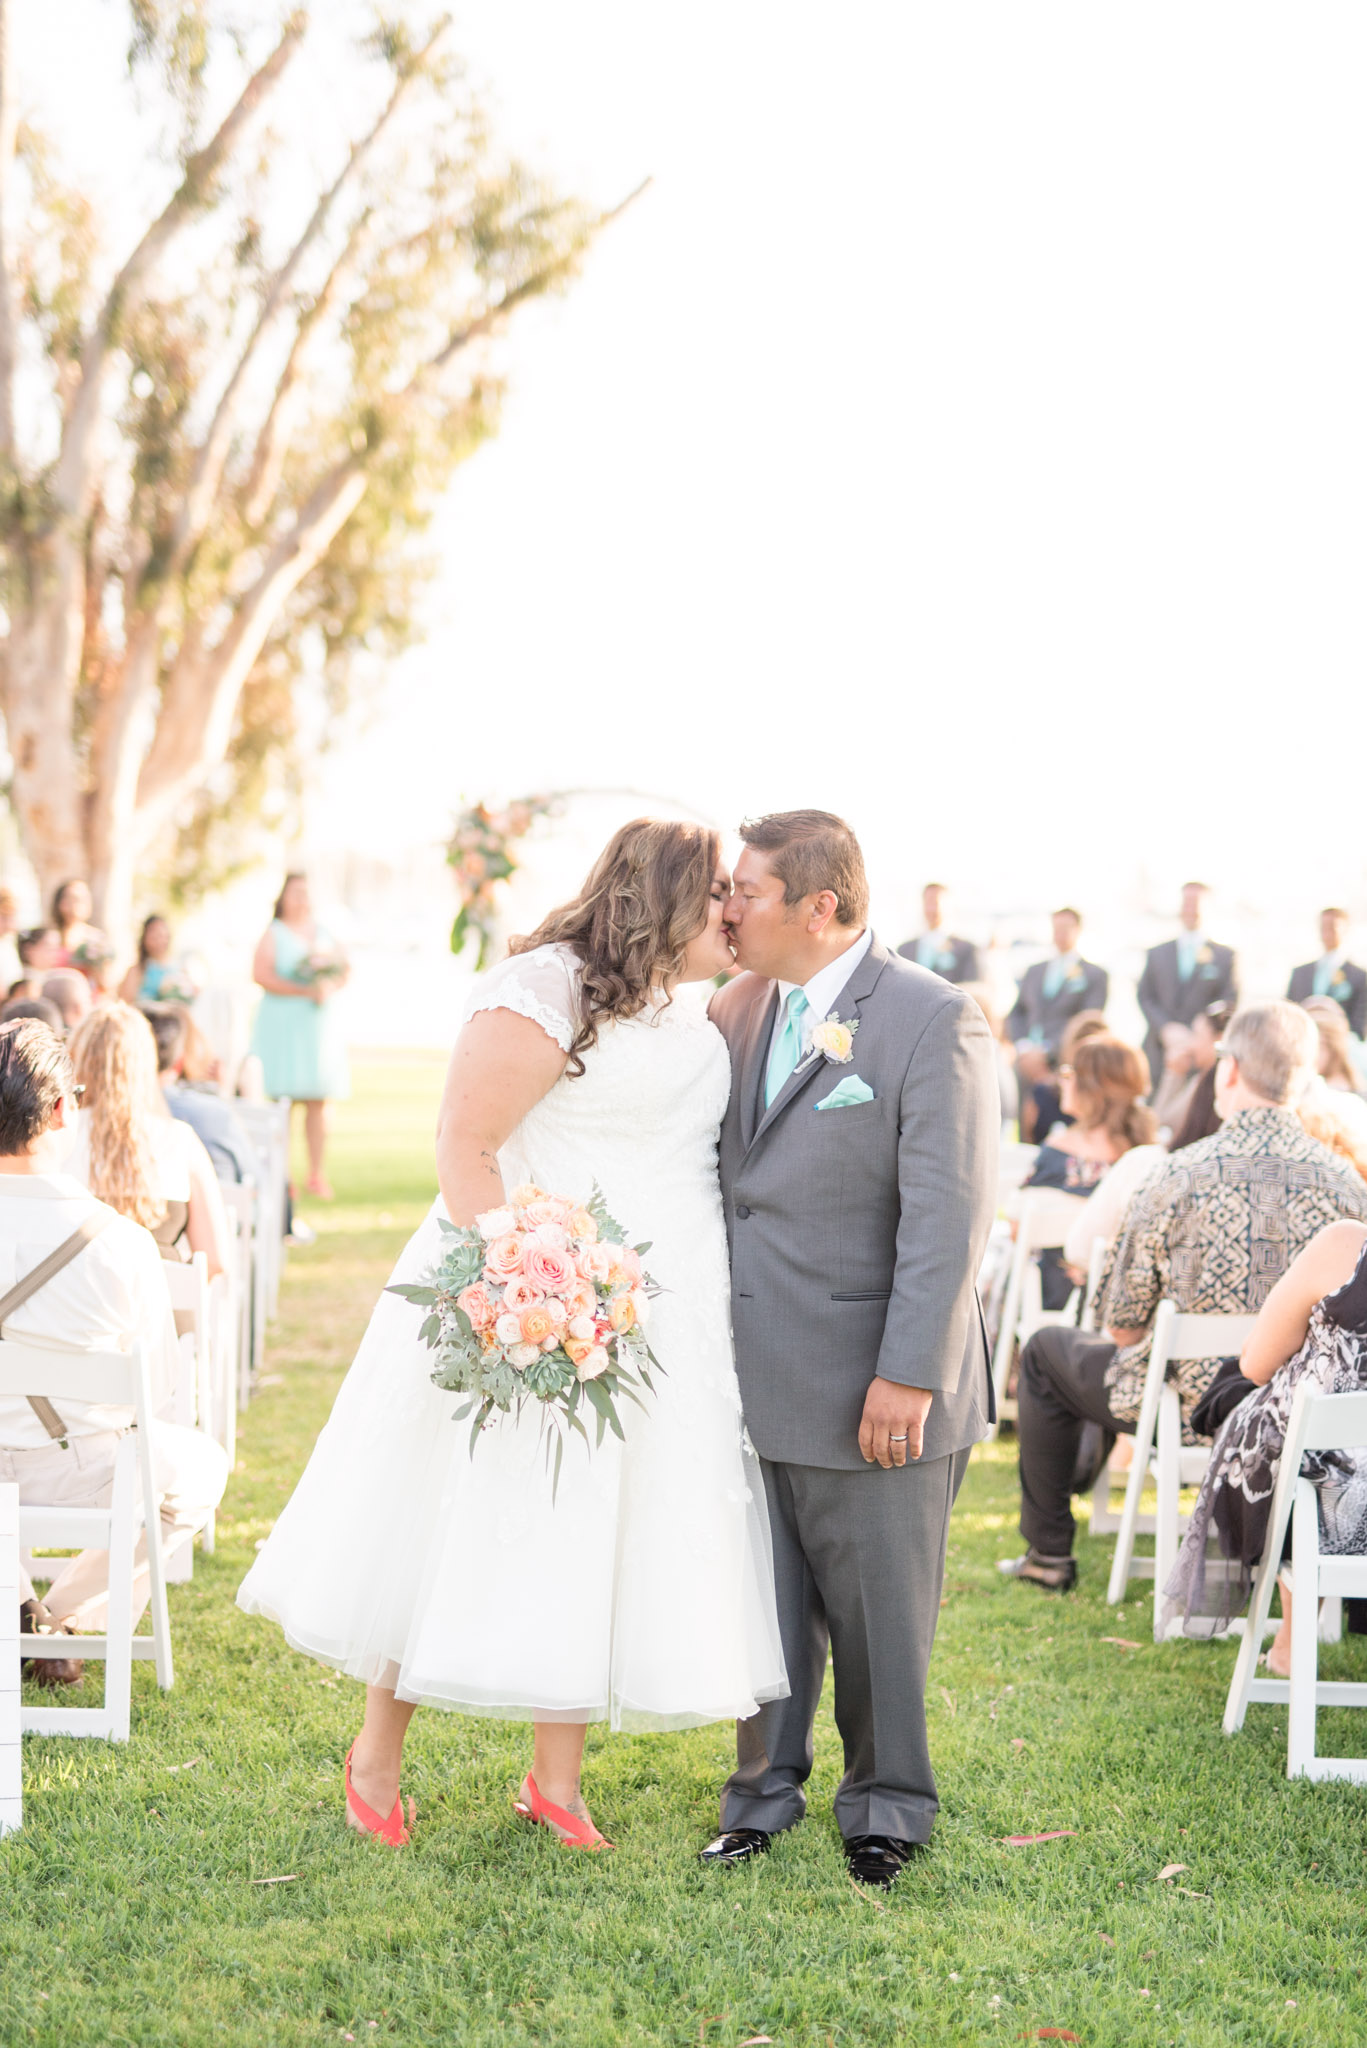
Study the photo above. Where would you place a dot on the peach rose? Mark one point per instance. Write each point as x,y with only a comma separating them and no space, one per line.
521,1292
594,1362
508,1330
621,1312
583,1226
550,1270
555,1309
520,1196
630,1261
640,1301
536,1325
503,1258
577,1348
476,1304
496,1223
548,1209
579,1300
594,1262
583,1327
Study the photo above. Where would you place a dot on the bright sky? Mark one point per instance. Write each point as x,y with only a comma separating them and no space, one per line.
966,432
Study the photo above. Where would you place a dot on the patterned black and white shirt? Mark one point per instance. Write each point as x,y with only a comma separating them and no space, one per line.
1213,1231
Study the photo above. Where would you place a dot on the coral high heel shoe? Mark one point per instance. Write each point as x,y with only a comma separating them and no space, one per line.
367,1821
573,1832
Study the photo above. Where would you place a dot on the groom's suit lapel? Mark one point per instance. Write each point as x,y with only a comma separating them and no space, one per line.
856,991
754,1060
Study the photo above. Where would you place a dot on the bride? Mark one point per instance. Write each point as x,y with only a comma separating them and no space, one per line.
643,1594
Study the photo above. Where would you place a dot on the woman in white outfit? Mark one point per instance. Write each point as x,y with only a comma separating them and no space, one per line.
642,1595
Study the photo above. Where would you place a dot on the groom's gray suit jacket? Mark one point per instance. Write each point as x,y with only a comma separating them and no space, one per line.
856,1234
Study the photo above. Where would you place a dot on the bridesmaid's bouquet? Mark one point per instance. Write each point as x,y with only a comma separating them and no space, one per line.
542,1300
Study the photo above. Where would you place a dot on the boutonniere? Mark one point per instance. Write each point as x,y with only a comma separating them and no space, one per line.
1205,957
834,1040
1077,979
1341,988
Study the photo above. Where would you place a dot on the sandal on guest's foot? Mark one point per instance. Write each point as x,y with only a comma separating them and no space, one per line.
1051,1574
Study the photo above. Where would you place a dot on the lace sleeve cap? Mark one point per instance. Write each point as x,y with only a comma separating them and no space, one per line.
540,985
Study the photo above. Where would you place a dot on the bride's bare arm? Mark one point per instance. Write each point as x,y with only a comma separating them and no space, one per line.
500,1068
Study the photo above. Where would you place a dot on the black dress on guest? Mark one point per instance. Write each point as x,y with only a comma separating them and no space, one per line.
1055,1168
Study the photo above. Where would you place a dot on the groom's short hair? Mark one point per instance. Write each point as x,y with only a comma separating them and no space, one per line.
810,851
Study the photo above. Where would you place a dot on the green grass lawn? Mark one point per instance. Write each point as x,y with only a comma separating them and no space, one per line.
132,1907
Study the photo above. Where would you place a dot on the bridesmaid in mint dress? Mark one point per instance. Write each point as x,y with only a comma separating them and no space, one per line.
298,1036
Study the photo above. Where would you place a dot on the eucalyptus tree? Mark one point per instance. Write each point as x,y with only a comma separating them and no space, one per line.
218,444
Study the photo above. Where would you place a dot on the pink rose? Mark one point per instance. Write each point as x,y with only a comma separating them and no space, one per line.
550,1270
580,1299
556,1310
549,1209
508,1330
477,1305
630,1261
582,1327
520,1293
553,1235
503,1258
594,1362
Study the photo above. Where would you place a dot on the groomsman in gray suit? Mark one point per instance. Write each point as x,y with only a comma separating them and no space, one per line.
1050,994
1184,976
1334,974
936,948
858,1169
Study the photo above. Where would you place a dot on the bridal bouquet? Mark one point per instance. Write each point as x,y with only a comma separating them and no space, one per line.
542,1300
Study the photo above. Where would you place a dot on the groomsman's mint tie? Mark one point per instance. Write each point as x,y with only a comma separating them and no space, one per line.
787,1046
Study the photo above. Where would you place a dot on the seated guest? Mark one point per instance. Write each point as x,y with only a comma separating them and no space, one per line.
131,1152
1174,1092
1334,974
1042,1102
39,950
1199,1119
935,947
1312,1327
1336,1080
70,991
213,1119
1184,976
1050,993
83,944
1213,1230
111,1295
18,1007
1103,1090
9,928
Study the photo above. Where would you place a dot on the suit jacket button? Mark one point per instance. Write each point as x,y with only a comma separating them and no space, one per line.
741,1209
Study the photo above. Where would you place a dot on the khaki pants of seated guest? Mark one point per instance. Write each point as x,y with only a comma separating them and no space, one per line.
190,1471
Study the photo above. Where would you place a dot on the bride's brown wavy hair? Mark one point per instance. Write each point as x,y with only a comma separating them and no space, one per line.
645,900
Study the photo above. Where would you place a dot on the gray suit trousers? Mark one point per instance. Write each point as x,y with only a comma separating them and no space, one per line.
859,1560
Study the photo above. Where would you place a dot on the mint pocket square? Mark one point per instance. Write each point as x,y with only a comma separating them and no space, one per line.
846,1093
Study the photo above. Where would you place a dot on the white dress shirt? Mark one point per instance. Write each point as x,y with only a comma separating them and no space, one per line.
111,1295
823,991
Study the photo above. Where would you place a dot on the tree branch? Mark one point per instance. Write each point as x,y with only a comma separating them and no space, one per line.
201,695
9,128
75,466
206,477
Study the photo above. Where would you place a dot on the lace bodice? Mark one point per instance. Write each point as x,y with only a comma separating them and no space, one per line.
643,1117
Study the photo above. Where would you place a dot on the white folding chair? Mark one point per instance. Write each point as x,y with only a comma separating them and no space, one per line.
268,1126
114,1379
1046,1216
188,1287
11,1780
240,1201
1319,1422
1158,1447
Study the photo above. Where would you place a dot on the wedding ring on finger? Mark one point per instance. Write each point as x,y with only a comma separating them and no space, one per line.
899,1439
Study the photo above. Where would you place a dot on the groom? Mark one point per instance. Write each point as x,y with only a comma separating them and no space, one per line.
858,1166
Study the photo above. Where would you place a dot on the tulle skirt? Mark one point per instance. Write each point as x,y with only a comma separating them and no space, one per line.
642,1595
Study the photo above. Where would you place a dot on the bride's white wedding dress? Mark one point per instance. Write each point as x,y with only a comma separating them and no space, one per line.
643,1595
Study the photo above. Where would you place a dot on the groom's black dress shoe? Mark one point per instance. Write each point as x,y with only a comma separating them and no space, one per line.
877,1859
735,1845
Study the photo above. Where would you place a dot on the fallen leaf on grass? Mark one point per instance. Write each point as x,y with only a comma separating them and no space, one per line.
753,2040
1190,1895
1018,1742
1051,2034
1122,1642
1170,1870
186,1767
947,1696
291,1879
1051,1835
1109,1940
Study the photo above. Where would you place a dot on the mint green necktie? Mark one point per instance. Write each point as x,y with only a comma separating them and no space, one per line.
1187,943
787,1046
